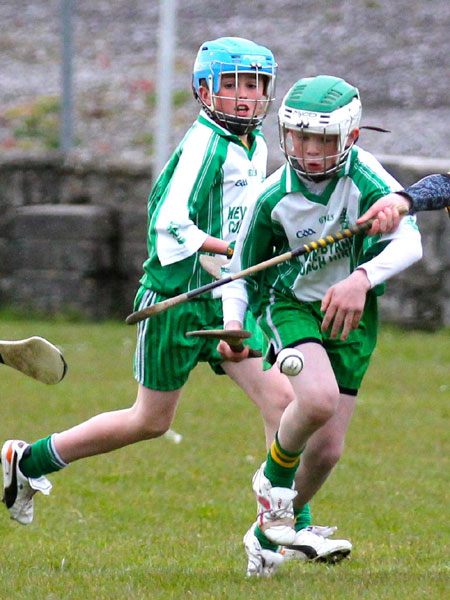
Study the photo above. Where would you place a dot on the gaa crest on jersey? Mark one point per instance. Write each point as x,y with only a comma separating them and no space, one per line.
305,233
173,230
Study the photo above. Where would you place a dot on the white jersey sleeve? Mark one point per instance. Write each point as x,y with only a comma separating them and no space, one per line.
404,249
234,294
178,237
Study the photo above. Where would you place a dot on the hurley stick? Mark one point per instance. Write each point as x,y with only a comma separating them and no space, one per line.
159,307
213,264
233,337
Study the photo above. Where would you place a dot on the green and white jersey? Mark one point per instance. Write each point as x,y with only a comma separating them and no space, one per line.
205,189
290,212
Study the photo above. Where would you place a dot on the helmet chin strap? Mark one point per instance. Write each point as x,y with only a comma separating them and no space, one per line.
235,125
238,125
315,178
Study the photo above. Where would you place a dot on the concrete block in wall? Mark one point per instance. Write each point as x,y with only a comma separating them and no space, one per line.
415,297
133,250
133,241
88,256
54,292
63,259
64,221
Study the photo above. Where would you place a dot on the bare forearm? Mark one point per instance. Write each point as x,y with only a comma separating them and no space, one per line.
215,245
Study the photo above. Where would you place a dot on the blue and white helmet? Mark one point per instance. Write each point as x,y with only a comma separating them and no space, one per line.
233,55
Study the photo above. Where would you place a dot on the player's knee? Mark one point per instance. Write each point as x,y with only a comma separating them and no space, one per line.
328,456
149,431
321,404
272,412
281,400
272,399
273,407
148,426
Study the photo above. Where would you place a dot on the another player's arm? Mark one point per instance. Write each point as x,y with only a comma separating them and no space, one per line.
174,223
343,304
253,245
430,193
217,246
385,211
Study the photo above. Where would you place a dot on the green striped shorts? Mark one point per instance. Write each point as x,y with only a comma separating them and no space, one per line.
164,356
287,322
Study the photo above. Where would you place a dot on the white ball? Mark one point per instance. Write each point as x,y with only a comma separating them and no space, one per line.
290,361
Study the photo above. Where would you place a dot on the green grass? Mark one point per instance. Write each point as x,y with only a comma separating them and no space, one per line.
160,520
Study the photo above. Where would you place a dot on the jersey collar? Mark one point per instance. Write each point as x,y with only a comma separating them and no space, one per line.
206,120
292,184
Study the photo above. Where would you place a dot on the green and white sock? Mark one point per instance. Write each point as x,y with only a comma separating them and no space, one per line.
41,458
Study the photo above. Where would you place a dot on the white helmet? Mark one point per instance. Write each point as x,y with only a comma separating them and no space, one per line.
323,105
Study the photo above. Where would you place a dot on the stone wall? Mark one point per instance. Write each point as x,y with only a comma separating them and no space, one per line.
73,239
72,234
418,297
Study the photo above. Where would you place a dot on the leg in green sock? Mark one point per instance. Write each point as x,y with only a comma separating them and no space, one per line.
302,517
302,520
40,458
280,470
281,465
265,543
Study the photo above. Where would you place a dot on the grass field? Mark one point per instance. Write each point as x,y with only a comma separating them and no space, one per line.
165,520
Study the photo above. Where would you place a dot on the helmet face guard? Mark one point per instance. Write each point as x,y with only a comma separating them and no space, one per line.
235,57
326,110
233,121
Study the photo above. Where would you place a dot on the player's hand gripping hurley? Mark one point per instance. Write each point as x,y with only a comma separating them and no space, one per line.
149,311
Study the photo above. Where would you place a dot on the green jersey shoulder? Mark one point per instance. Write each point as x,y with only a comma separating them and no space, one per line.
291,212
204,190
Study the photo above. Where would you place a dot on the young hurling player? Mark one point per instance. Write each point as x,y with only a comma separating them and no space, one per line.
196,204
324,303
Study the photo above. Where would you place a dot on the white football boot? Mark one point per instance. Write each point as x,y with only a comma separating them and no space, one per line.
261,562
275,513
314,544
18,490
